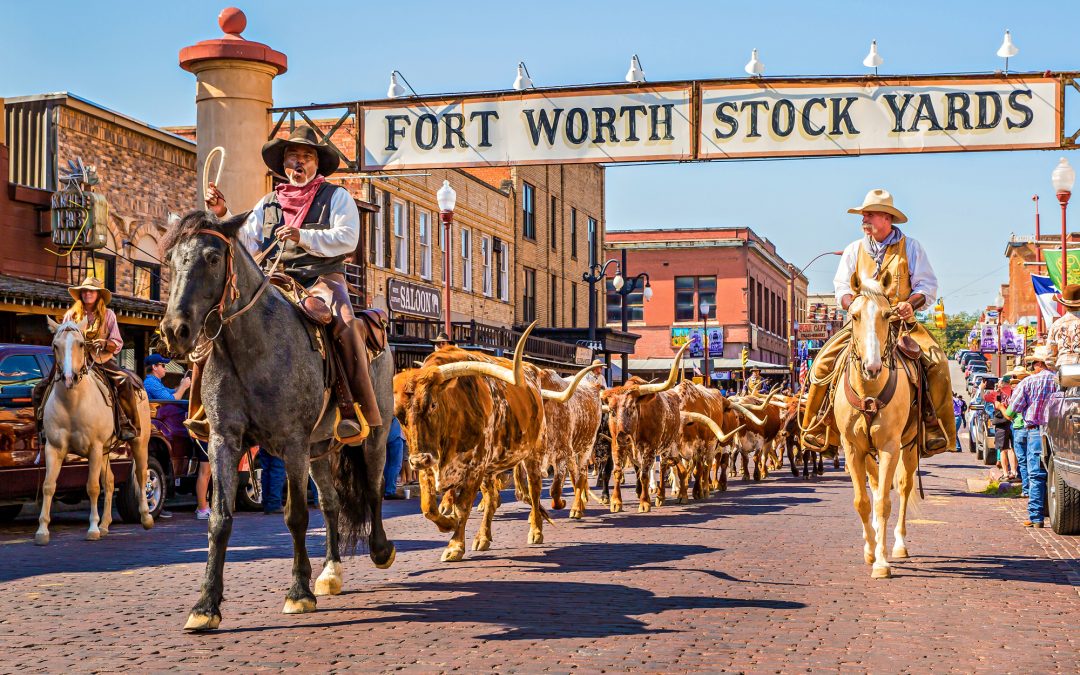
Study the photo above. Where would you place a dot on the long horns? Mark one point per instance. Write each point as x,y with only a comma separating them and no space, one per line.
515,377
708,421
758,407
672,376
754,419
564,395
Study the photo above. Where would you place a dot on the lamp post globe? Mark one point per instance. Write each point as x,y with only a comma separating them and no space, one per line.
647,293
447,199
1063,177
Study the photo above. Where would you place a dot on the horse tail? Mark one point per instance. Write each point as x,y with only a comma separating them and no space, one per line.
356,494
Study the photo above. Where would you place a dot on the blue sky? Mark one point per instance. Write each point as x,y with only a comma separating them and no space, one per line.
961,206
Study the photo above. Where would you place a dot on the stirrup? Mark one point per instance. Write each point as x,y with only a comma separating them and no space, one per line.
347,431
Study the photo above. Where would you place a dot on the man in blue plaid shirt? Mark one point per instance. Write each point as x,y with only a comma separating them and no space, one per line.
1031,398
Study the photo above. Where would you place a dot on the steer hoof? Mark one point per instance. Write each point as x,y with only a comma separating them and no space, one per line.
883,572
900,552
301,606
644,507
197,623
536,537
453,555
615,508
481,544
576,515
41,538
684,500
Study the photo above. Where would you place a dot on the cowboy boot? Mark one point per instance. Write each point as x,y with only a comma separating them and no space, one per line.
127,408
196,423
38,396
354,361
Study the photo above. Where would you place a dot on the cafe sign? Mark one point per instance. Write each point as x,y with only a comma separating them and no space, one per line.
405,297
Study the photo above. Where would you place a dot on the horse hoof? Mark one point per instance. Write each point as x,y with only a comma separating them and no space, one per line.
301,606
41,538
453,555
900,552
93,535
536,537
389,561
147,522
883,572
481,544
329,582
104,531
197,623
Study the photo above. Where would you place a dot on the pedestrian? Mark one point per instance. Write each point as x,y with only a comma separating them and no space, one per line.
1063,337
442,342
273,483
395,452
1031,400
959,406
1003,436
202,480
155,388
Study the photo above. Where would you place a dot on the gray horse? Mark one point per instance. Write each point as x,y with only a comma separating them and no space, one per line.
263,384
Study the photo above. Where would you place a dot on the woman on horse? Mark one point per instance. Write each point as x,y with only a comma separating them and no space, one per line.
103,343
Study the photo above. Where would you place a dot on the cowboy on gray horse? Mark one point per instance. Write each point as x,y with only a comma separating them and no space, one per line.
318,225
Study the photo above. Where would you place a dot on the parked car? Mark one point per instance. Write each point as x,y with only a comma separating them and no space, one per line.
966,359
975,367
1061,453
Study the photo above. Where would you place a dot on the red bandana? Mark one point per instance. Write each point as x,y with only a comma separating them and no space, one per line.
295,201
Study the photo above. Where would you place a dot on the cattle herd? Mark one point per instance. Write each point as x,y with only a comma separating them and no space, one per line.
472,419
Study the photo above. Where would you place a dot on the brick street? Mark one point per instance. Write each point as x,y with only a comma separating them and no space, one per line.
767,577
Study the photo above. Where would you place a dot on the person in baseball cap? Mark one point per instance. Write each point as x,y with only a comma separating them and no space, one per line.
155,388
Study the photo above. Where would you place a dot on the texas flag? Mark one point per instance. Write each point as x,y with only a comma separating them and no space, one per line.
1046,296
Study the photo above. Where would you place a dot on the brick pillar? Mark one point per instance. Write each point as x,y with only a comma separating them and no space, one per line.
234,88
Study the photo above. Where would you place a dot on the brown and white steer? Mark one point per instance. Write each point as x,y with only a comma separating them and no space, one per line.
700,446
570,428
764,422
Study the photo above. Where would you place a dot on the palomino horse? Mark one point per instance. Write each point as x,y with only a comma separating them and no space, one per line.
872,404
77,419
263,384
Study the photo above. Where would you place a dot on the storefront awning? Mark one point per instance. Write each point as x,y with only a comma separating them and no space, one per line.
36,296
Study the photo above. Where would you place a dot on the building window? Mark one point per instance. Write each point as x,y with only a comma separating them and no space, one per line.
105,270
528,211
553,305
485,252
573,304
466,259
689,292
528,298
594,240
401,237
147,281
378,245
635,304
552,213
573,233
424,218
504,272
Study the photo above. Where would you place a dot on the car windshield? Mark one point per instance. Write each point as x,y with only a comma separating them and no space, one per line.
19,369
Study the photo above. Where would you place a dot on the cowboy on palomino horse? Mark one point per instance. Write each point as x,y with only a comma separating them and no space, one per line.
318,225
91,304
900,263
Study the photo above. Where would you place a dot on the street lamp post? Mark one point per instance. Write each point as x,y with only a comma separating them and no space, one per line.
704,307
1063,178
1038,258
447,198
792,331
625,286
596,273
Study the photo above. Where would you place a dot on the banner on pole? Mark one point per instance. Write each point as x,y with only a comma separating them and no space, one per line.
1052,256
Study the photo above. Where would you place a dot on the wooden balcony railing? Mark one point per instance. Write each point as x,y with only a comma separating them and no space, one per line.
484,336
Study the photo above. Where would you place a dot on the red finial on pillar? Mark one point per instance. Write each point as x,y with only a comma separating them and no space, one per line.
232,45
232,20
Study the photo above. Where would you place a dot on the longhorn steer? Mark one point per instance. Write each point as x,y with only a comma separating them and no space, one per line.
700,445
570,428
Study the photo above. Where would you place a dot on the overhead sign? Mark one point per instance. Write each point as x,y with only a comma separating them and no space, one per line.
405,297
695,337
710,120
814,331
762,119
622,124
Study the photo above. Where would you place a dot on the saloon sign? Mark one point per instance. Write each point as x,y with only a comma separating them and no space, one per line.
708,120
405,297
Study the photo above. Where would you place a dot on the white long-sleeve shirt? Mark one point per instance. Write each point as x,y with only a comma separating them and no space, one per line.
338,239
923,280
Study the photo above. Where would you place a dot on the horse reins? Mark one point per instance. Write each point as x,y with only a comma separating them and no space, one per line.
229,291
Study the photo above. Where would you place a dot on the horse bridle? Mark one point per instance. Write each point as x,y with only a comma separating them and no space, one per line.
87,358
229,291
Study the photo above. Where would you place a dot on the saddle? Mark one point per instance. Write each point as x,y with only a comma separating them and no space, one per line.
372,322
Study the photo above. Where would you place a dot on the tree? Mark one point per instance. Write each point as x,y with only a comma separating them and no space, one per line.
955,334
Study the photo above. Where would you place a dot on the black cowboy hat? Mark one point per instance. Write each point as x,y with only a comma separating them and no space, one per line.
442,337
273,152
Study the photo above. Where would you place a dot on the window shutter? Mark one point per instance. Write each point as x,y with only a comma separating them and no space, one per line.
372,252
388,230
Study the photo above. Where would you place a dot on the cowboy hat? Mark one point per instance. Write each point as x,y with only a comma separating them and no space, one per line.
1070,297
91,284
1041,353
273,152
1018,372
880,200
442,337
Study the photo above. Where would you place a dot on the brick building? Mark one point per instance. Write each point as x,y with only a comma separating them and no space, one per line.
1018,294
144,174
737,271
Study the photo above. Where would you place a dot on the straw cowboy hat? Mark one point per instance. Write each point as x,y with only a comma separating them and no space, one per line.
1041,353
880,200
1018,372
91,284
273,152
1070,297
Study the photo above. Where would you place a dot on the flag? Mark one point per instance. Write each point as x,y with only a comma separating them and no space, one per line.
1052,257
1045,294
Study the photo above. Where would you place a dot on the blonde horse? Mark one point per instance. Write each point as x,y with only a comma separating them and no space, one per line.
872,404
78,419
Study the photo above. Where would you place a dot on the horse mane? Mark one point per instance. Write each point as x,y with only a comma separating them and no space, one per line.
872,288
196,220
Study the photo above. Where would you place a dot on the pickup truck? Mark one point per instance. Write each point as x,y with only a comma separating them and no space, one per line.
172,469
1061,453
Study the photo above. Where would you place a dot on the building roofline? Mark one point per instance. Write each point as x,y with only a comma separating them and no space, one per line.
96,109
754,244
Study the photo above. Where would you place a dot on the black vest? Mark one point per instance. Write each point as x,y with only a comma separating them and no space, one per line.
296,261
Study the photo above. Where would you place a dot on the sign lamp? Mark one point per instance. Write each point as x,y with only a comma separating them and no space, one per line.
753,66
873,59
1006,50
635,74
523,81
